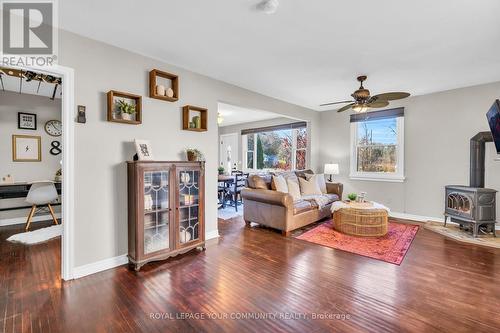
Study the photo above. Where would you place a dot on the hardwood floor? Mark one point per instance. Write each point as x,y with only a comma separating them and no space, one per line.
442,285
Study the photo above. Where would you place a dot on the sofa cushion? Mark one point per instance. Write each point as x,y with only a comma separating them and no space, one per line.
320,179
332,197
258,182
280,184
287,175
310,187
293,189
302,173
302,206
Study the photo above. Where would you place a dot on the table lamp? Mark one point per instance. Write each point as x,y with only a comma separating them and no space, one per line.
331,169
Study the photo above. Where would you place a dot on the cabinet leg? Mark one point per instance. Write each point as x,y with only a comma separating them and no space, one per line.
247,223
285,233
445,219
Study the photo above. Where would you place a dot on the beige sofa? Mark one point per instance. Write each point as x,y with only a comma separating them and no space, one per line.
277,210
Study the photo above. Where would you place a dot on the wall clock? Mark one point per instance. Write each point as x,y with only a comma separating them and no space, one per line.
53,127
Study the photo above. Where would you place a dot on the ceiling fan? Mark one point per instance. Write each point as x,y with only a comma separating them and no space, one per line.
363,101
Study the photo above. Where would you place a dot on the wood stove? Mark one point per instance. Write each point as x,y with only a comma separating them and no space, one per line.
473,207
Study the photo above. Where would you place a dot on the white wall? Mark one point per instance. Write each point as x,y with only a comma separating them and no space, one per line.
103,147
255,124
438,128
46,109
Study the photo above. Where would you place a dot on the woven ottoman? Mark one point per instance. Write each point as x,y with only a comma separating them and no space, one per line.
361,219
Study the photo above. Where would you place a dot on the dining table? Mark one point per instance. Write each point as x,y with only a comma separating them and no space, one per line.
227,180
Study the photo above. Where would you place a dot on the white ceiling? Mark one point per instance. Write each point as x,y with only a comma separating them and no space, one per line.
234,115
11,83
308,52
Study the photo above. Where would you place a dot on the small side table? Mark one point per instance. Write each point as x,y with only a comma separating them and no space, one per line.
361,219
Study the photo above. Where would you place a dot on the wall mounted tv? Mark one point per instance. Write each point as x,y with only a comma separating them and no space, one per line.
494,120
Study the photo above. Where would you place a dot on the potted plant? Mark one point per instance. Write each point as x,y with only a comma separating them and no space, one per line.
352,196
221,170
58,176
126,109
194,155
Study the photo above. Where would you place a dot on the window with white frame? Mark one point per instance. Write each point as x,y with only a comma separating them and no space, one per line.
282,147
377,145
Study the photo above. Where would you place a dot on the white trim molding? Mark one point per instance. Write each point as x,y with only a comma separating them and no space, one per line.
99,266
425,219
212,234
397,176
68,162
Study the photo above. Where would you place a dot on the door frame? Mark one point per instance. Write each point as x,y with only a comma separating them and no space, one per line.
237,147
68,162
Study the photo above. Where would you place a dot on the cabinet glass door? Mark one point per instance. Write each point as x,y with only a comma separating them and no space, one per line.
156,211
189,200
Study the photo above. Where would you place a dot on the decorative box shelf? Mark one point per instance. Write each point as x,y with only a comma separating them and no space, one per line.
113,96
188,114
153,82
158,234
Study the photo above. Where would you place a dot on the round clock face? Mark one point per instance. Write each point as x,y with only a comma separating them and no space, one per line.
53,127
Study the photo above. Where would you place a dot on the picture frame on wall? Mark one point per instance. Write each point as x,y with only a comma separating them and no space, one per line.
26,148
143,150
26,121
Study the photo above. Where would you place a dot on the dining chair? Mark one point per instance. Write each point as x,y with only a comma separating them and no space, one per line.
40,196
240,182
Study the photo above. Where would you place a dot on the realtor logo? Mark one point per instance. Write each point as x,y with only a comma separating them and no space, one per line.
29,29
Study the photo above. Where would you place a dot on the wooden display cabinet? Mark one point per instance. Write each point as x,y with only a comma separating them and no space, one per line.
166,213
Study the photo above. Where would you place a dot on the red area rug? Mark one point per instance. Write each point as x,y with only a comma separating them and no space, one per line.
390,248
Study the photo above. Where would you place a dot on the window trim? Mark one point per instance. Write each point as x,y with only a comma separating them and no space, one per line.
244,138
398,176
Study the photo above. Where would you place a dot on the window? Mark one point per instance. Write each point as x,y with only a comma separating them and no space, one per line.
377,147
281,147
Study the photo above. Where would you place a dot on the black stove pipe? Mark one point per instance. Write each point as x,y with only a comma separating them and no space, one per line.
477,153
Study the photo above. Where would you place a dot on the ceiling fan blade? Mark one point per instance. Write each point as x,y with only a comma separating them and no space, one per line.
347,107
326,104
378,104
391,96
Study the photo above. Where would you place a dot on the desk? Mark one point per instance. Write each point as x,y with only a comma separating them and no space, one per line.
19,190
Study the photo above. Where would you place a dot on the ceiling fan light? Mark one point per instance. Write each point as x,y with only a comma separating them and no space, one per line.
360,108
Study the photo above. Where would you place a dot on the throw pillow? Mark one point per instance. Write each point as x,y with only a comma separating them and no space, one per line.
293,189
320,179
257,182
280,184
309,187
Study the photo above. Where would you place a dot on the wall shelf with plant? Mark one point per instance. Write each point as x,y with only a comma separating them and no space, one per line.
194,118
124,108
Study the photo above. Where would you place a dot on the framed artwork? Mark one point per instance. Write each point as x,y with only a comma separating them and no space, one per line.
26,148
26,121
143,150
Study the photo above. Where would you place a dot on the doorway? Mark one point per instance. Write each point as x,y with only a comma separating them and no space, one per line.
65,92
229,152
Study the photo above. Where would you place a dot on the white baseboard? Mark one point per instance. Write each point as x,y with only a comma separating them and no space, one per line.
420,218
212,234
22,220
99,266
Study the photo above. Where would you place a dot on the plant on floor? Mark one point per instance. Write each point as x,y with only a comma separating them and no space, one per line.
221,170
126,109
352,196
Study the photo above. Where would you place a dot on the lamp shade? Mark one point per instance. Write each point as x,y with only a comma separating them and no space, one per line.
331,169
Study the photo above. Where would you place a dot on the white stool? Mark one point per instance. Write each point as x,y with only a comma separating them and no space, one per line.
41,194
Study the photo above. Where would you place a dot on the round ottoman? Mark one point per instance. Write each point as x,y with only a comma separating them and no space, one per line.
361,219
